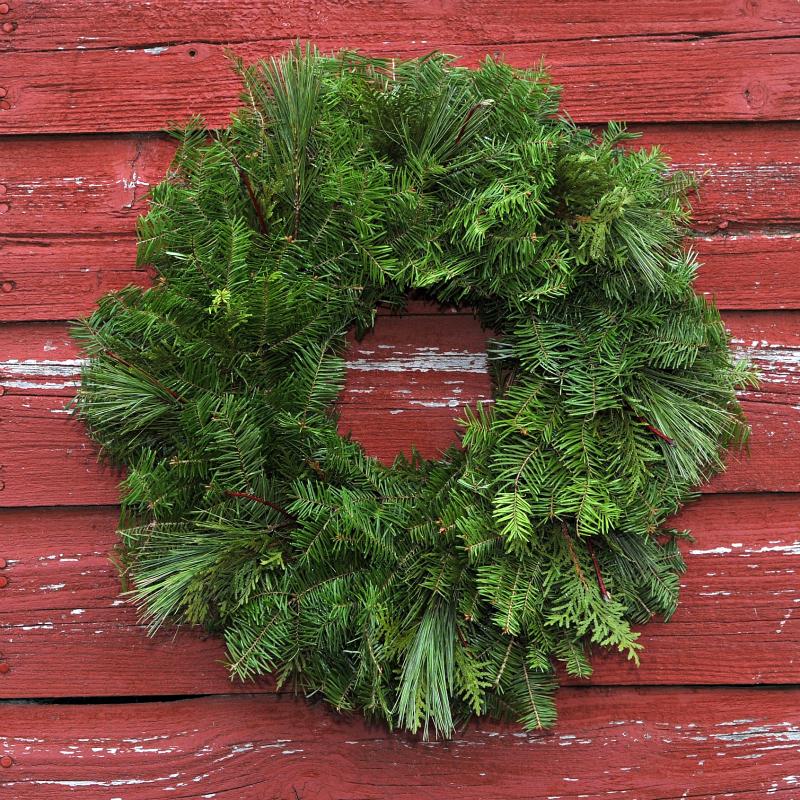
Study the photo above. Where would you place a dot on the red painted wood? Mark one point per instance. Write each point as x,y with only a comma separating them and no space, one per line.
680,77
748,272
56,25
749,176
647,744
79,184
66,235
61,277
65,631
406,384
402,388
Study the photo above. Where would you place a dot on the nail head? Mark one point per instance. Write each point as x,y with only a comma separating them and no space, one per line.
3,581
4,9
9,27
3,208
7,286
3,563
4,668
4,105
6,761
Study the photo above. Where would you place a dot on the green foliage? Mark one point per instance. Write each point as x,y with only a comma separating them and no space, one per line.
429,591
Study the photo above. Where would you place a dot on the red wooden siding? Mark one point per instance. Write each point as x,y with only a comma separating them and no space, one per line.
85,90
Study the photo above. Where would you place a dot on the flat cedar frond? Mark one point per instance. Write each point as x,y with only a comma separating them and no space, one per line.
432,590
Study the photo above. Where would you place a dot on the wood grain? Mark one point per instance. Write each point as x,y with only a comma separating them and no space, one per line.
56,25
749,177
653,68
60,277
738,621
406,383
647,744
750,272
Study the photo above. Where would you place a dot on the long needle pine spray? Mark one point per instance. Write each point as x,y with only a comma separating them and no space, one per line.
431,590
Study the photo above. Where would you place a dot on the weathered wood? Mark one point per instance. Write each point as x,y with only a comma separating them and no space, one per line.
65,631
749,176
648,69
406,384
648,744
70,204
750,271
57,26
61,277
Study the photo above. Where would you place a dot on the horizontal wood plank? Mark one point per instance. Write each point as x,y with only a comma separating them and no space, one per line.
758,271
647,744
56,25
406,384
63,597
69,207
749,176
61,277
652,65
738,621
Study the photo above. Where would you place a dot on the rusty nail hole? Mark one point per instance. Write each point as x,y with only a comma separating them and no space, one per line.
4,207
3,563
5,105
8,286
9,27
192,53
4,9
4,667
3,581
6,762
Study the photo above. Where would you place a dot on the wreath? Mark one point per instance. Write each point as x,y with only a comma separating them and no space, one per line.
427,591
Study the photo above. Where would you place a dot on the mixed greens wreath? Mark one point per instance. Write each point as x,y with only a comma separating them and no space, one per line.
427,591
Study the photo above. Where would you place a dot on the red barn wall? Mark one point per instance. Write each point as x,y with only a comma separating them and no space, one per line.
92,708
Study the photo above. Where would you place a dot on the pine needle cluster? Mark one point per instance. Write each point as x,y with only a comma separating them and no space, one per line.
431,590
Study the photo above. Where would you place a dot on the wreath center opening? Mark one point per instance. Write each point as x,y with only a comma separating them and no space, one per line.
410,378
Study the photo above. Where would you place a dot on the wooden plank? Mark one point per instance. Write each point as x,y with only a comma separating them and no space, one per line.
738,621
56,25
749,176
755,271
407,382
642,744
651,77
739,600
69,208
61,277
80,184
63,597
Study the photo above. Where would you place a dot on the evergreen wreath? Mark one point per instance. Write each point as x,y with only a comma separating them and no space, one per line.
427,591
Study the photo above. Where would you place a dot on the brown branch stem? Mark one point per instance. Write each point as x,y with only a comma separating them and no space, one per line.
256,499
603,591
